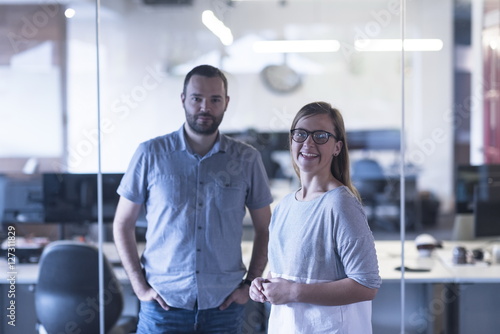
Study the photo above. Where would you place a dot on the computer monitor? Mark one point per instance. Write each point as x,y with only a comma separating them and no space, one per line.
72,198
376,140
487,211
266,143
467,177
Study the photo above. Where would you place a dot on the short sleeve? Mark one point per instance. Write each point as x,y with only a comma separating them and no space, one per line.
133,185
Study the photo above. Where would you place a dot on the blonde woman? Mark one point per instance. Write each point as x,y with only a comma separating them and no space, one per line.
324,268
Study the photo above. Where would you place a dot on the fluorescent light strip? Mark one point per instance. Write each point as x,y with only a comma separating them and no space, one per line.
296,46
395,45
217,27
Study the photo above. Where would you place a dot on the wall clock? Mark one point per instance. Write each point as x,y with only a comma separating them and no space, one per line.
281,78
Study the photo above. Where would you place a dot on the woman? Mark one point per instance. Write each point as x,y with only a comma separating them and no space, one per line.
324,269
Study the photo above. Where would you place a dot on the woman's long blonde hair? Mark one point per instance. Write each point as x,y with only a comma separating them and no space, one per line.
340,167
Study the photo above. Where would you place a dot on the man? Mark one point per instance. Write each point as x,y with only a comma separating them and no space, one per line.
194,184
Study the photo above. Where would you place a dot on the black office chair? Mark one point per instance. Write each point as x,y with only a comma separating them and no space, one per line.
67,292
369,179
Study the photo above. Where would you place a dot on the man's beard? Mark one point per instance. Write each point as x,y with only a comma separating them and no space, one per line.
203,129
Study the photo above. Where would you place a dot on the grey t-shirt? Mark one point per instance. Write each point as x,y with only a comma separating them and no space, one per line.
322,240
327,238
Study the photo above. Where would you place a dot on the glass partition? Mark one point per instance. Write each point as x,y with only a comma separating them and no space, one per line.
43,88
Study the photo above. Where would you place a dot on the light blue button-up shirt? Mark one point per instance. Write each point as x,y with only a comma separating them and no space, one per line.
194,210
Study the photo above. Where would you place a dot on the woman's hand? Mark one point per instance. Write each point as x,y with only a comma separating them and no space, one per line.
256,290
279,291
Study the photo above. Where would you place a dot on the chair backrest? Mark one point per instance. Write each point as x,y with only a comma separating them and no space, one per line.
67,292
368,177
367,169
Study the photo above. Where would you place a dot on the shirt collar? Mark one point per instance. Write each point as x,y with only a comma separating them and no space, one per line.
220,144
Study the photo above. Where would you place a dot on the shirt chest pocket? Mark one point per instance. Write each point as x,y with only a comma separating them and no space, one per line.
169,189
231,195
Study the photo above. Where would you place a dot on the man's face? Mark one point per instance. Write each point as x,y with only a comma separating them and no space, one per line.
204,102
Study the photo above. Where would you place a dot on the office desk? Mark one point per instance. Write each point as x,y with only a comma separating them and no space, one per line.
420,288
389,257
476,292
446,299
469,273
455,299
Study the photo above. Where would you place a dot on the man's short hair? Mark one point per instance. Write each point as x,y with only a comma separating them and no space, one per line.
206,71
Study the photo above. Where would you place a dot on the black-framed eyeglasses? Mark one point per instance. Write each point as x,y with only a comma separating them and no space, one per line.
319,136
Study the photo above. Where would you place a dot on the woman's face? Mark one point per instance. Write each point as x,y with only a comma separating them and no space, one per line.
309,156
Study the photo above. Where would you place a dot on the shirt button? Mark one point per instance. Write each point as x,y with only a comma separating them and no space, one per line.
200,204
199,227
198,250
197,271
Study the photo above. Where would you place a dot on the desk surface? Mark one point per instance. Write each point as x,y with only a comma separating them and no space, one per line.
389,255
27,273
470,273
